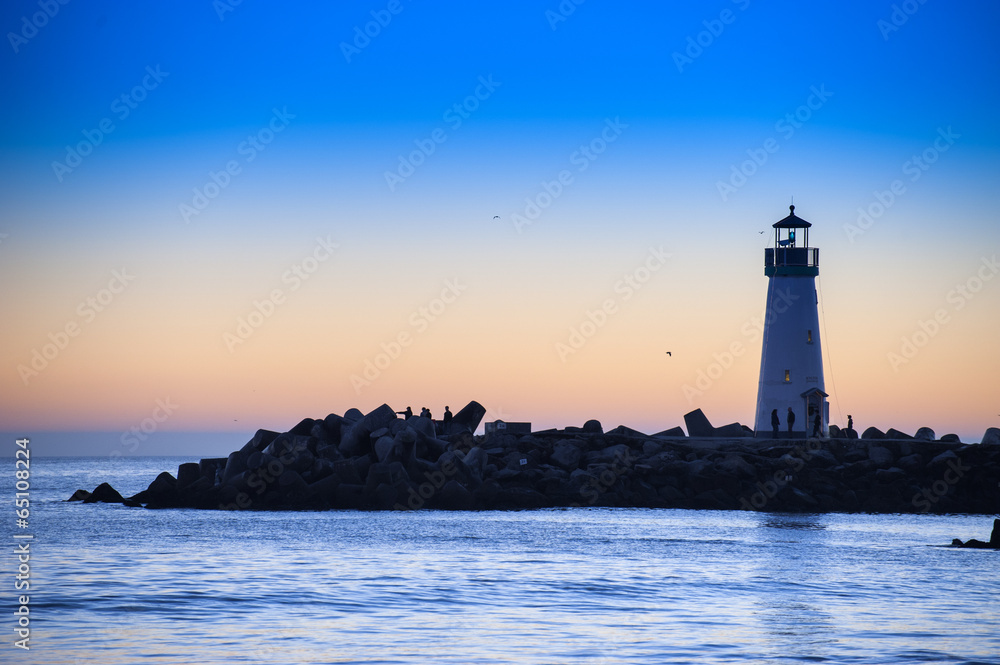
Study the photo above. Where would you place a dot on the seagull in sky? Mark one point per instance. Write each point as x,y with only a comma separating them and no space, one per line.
670,354
496,216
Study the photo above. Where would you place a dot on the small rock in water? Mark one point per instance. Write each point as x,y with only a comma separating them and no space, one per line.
104,493
994,543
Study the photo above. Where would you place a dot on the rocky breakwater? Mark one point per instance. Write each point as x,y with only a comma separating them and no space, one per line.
378,461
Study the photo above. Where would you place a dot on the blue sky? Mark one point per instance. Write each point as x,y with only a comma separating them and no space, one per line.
835,100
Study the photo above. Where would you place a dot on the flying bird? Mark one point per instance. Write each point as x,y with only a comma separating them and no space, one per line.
496,216
670,354
760,233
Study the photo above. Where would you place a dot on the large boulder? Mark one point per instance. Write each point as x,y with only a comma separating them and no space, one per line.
621,430
453,496
991,437
651,448
873,433
467,418
262,439
333,421
236,464
882,457
304,427
737,466
520,498
188,473
890,475
378,418
567,455
211,467
822,458
944,458
356,440
422,425
476,460
732,430
387,449
924,434
162,491
698,425
326,433
593,427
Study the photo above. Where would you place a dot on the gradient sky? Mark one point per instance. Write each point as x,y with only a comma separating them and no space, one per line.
646,111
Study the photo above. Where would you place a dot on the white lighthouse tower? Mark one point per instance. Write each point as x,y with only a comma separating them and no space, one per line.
791,360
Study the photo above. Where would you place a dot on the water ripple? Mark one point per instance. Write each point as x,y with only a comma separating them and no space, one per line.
118,585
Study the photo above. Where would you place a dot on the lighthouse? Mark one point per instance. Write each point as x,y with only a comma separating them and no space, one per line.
791,360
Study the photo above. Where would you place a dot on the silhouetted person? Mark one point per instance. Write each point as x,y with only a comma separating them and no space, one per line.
850,421
791,421
447,416
425,412
406,414
817,424
775,422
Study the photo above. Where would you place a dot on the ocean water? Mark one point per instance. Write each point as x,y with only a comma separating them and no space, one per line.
113,585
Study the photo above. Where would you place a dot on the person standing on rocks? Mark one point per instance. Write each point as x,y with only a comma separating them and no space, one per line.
850,422
791,421
406,414
775,422
441,425
817,424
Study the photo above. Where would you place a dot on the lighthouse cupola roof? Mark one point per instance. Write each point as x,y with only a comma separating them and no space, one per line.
792,221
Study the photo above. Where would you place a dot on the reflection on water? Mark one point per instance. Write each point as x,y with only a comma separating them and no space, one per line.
792,521
794,623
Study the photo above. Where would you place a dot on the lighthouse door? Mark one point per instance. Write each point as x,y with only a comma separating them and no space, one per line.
815,404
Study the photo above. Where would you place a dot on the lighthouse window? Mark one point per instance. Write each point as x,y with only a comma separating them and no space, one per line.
809,337
788,376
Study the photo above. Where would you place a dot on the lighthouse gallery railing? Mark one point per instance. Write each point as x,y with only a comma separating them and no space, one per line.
791,256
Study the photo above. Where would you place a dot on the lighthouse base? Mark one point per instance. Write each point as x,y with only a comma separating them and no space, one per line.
794,434
791,367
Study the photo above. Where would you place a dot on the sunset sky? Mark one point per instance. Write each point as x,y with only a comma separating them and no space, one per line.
216,217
